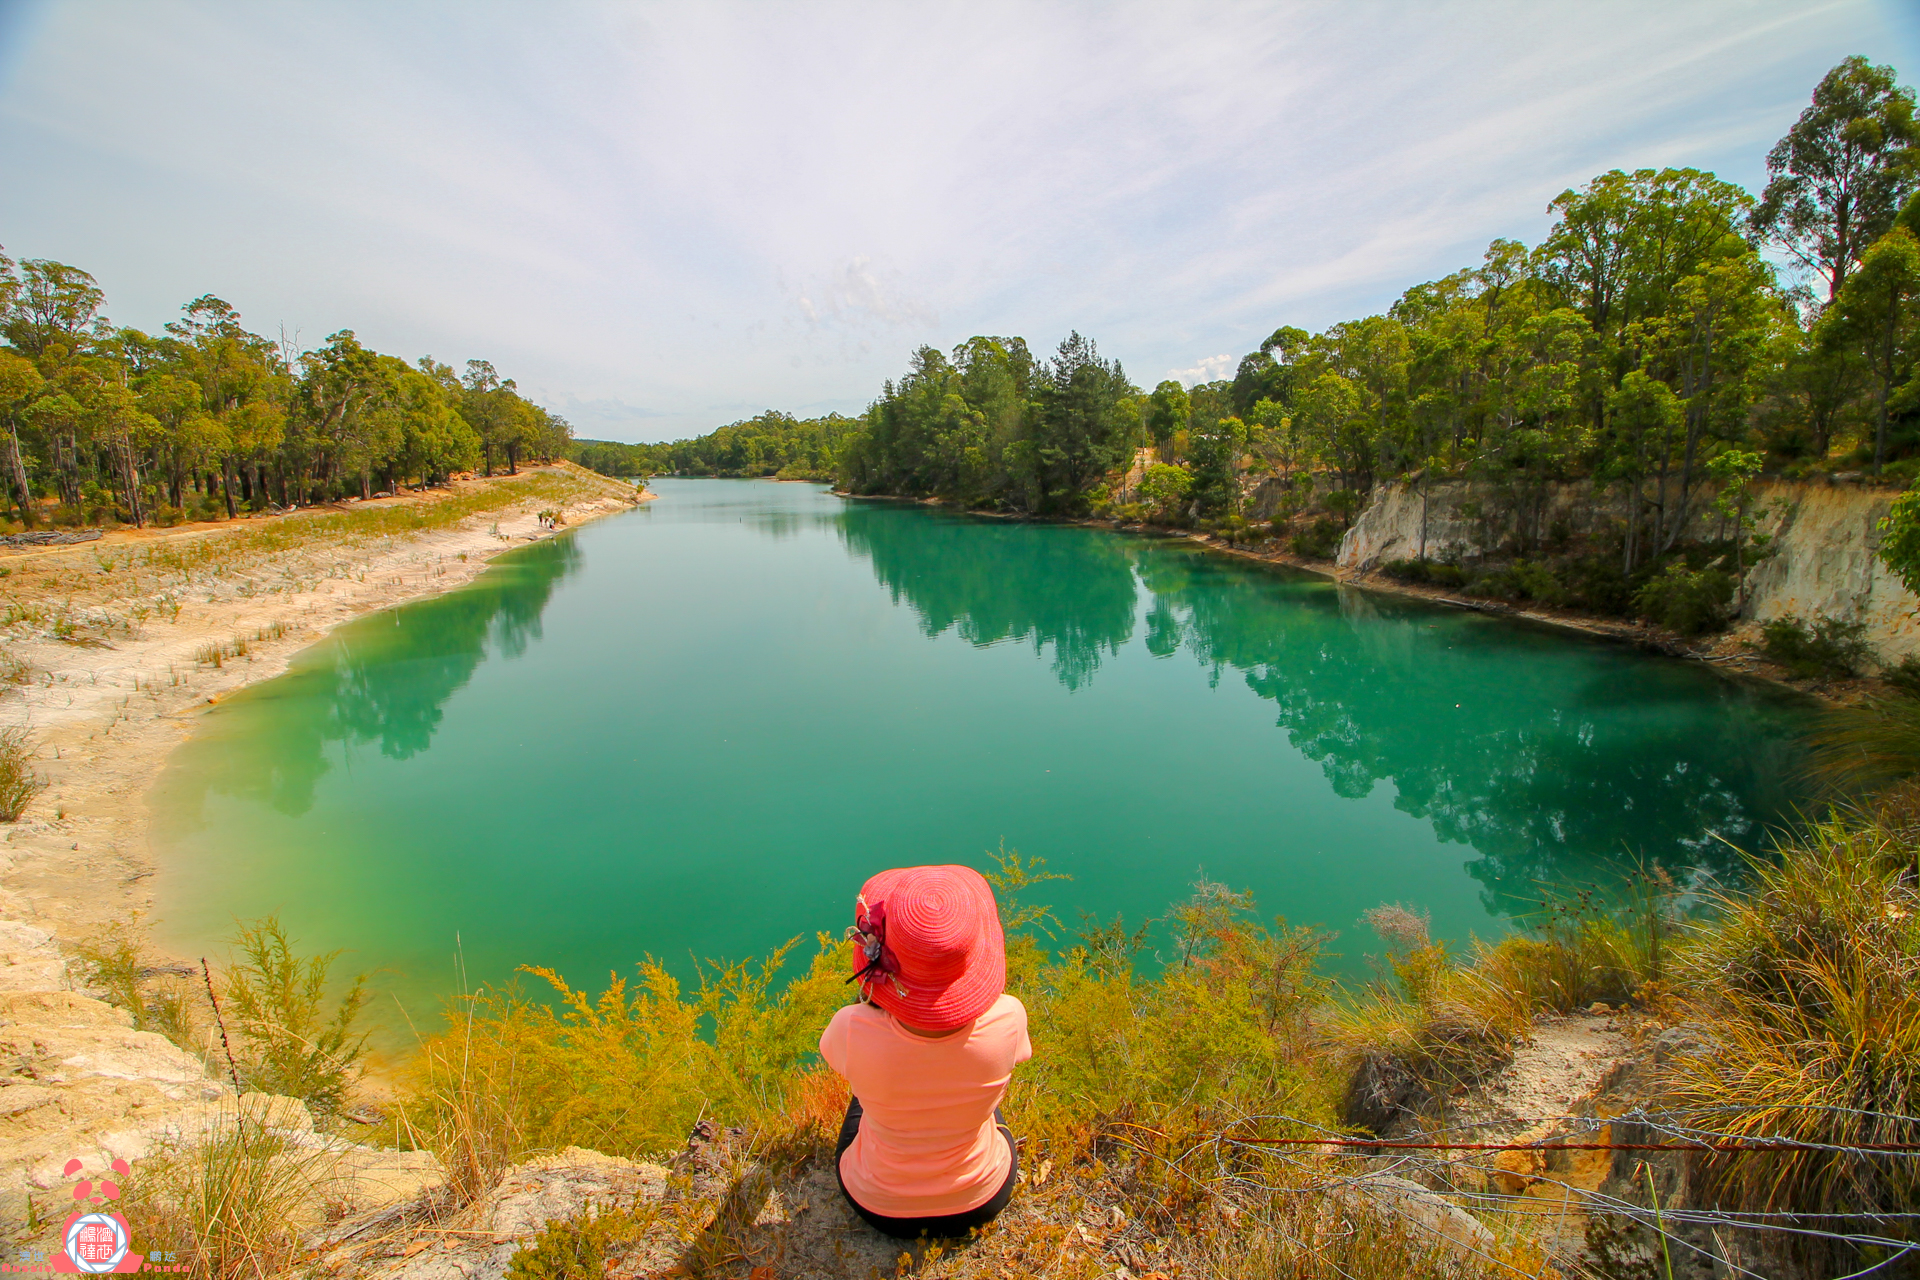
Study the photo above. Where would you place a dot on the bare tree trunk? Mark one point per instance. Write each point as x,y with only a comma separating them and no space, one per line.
1426,494
226,486
130,473
19,470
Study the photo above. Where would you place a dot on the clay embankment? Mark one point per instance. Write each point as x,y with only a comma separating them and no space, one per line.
110,643
1822,538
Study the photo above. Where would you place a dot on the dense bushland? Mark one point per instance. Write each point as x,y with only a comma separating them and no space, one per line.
106,423
768,444
1649,342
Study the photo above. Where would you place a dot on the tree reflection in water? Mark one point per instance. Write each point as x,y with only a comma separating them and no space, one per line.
1558,760
383,680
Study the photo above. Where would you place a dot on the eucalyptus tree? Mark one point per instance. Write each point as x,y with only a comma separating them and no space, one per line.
1838,178
1167,412
20,384
1876,313
51,305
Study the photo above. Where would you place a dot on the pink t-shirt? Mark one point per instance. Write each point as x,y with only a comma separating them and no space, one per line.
927,1142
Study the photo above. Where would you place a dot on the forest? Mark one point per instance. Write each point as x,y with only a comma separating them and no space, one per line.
1671,337
767,444
207,420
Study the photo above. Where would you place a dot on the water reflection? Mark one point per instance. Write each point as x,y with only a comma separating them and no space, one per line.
1057,587
376,684
1551,757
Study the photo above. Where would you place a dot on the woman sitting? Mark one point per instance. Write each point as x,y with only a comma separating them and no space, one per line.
927,1051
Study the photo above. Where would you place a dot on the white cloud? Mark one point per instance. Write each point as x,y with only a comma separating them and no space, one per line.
689,207
1206,369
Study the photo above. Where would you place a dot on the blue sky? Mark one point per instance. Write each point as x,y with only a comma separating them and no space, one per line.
663,217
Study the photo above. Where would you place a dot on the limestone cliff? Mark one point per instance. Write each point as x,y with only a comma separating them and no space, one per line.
1822,538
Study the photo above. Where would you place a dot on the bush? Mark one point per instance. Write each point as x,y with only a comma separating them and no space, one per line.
1521,580
1690,601
1428,572
576,1248
1165,487
1599,584
292,1044
1320,542
1904,676
1828,649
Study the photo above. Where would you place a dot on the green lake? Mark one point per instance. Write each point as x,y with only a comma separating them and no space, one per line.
694,729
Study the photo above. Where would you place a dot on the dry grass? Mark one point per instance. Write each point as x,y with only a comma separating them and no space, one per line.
238,1195
19,784
116,589
1810,989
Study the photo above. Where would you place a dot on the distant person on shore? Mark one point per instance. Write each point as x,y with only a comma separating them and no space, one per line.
927,1051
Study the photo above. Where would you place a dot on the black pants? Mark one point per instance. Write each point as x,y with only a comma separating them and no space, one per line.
940,1226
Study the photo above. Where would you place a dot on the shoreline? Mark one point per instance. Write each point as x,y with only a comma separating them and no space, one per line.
105,709
1729,652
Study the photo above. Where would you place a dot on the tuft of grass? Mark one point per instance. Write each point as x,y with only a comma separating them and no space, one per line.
1809,989
116,963
229,1201
1868,748
19,784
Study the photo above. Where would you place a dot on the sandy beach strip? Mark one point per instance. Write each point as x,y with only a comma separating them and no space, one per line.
109,684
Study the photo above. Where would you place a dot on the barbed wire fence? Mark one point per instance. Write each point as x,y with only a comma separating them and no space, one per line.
1437,1159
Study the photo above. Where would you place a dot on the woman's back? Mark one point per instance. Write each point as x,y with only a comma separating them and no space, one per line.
927,1142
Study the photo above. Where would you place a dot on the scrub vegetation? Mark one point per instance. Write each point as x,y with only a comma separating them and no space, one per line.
1168,1059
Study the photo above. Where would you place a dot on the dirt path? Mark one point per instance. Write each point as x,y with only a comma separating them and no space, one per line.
112,643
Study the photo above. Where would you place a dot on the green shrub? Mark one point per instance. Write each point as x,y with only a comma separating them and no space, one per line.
576,1248
1234,529
1165,487
1904,676
1598,583
1521,580
292,1043
1690,601
1828,649
1429,572
1319,542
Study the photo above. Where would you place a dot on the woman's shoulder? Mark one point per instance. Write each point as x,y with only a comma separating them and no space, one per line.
1006,1009
859,1011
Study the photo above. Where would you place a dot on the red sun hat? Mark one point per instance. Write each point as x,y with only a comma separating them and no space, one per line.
931,950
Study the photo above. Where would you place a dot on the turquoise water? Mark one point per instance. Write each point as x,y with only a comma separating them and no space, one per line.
694,729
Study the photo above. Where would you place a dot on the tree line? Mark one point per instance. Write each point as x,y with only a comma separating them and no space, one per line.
1671,336
767,444
207,419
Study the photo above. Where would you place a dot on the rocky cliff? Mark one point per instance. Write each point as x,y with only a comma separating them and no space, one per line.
1822,536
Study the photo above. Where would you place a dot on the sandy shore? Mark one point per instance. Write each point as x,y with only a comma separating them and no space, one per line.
113,683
